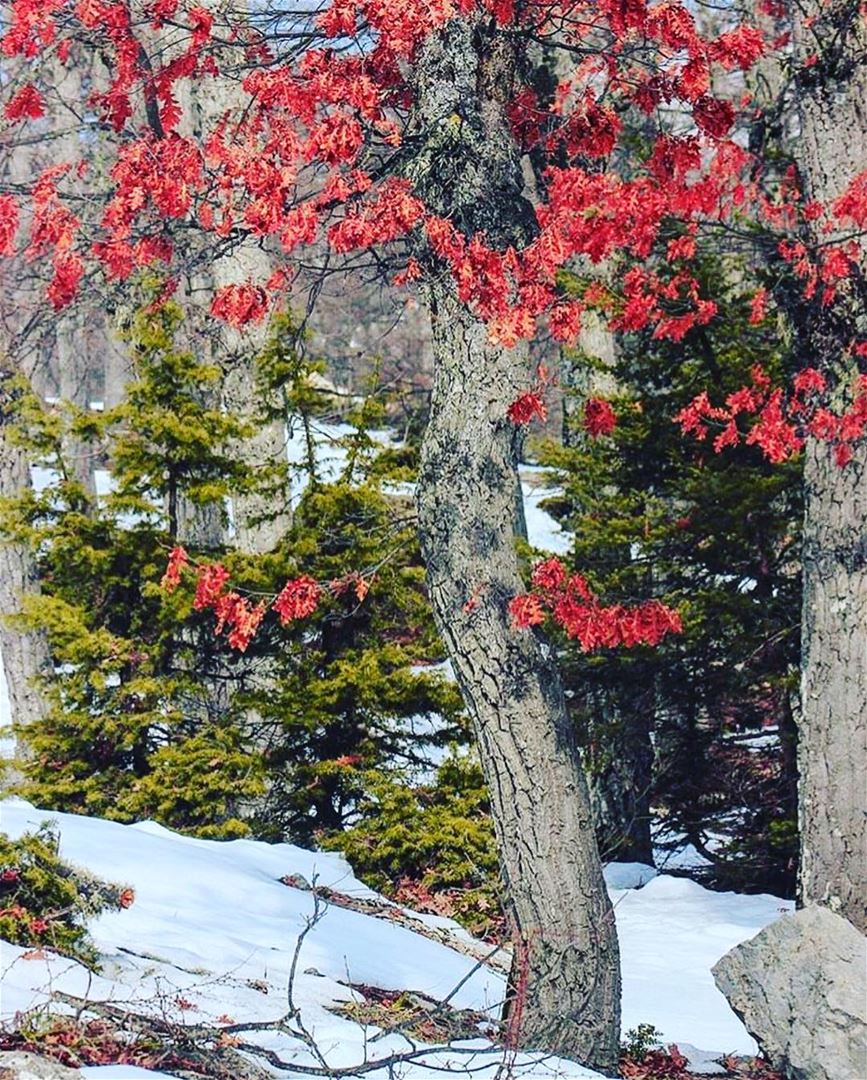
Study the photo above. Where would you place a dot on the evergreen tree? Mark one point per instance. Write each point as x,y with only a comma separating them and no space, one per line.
153,712
717,537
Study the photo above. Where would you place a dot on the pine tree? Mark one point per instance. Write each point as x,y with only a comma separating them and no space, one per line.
152,711
717,537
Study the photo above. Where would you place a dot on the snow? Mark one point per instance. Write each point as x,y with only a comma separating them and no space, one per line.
213,924
543,532
628,875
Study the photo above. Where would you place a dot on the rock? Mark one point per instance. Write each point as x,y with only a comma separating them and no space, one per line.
800,987
17,1065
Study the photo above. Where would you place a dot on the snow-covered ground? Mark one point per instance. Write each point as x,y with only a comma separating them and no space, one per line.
213,926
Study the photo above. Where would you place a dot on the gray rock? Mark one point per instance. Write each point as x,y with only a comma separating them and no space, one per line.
800,986
17,1065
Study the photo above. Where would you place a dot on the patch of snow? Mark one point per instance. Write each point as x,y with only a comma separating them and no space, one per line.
212,933
543,531
702,1062
672,931
213,927
628,875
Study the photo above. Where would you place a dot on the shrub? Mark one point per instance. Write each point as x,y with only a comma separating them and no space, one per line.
45,902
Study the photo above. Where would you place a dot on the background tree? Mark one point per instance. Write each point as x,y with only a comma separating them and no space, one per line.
716,536
151,713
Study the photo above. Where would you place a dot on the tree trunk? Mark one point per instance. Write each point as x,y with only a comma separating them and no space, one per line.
555,893
832,750
74,367
566,980
25,654
618,758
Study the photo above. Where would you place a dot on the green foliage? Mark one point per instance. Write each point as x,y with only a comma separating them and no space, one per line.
46,903
717,537
170,436
640,1040
426,842
152,714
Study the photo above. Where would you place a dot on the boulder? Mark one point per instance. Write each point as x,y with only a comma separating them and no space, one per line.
800,987
17,1065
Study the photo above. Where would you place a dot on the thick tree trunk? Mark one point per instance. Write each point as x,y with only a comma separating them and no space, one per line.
832,750
566,982
555,893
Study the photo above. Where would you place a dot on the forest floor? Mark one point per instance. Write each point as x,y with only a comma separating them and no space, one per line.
208,951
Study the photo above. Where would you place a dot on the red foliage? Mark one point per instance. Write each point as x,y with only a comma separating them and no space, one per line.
26,104
667,1064
313,147
527,407
240,304
298,599
209,587
178,559
570,603
782,422
599,418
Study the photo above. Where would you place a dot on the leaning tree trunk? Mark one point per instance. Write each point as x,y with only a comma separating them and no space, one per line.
555,893
566,979
832,751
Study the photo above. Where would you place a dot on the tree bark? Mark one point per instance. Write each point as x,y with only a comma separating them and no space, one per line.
24,654
555,893
832,747
566,980
832,750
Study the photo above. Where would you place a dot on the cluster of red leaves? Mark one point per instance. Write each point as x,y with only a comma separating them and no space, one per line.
310,125
297,600
327,107
669,1064
36,925
26,104
531,405
567,599
782,422
236,614
599,417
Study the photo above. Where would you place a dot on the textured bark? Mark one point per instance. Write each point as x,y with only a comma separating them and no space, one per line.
260,519
832,752
566,981
74,371
832,749
25,654
556,897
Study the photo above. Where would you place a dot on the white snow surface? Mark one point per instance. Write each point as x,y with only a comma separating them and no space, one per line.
213,925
